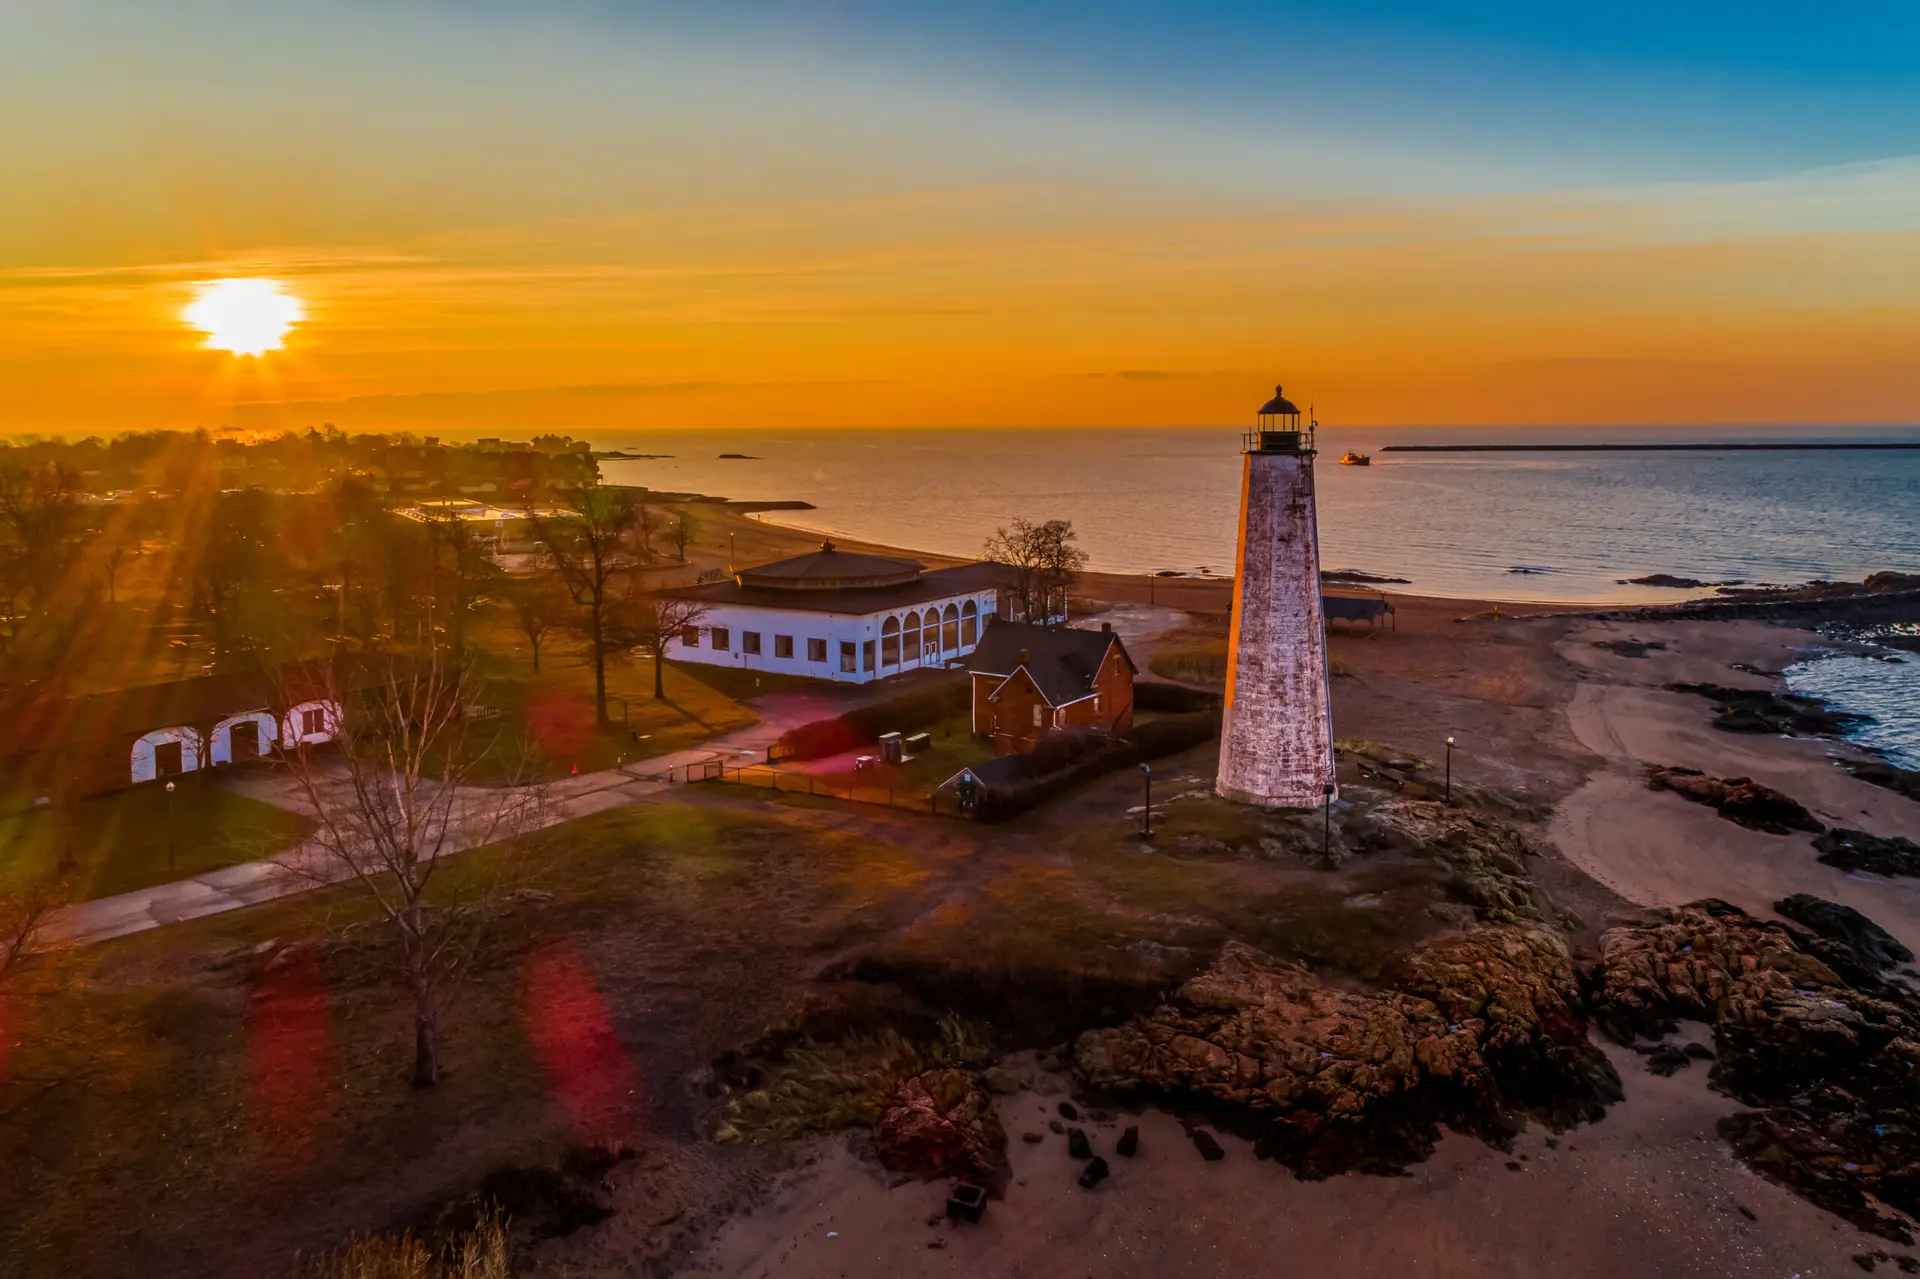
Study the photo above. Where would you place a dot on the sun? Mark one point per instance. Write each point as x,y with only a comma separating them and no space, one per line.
246,317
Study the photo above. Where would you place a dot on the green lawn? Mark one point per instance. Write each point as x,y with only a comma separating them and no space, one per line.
118,842
553,708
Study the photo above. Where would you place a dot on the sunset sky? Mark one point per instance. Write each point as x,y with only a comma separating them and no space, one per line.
508,218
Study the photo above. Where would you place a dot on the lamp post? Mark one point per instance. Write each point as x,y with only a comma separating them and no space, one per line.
1146,812
169,827
732,557
1449,790
1326,823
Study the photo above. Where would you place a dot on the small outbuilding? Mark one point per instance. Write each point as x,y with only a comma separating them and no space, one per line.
1029,680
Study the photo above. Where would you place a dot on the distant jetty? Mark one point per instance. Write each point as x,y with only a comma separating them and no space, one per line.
1768,447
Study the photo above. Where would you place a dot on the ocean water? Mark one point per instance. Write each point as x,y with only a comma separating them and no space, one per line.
1540,527
1886,687
1547,527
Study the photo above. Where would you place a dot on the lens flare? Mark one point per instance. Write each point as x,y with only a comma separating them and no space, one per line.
246,317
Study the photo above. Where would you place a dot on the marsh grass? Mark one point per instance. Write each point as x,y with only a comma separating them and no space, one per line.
820,1087
478,1254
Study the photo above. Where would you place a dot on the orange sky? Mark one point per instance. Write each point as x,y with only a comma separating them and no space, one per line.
515,272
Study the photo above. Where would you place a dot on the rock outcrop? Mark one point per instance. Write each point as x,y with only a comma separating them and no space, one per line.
1486,859
1738,799
1515,989
1867,944
1758,710
940,1124
1328,1080
1875,854
1830,1067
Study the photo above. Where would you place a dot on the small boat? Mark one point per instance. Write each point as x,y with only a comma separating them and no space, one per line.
1355,459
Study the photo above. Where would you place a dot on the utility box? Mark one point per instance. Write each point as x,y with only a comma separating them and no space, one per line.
891,751
919,744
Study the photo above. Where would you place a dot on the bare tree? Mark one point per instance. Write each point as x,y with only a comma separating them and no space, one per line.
1045,560
392,793
24,912
592,549
650,619
463,570
685,529
539,604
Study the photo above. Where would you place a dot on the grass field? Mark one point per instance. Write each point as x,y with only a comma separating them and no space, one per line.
141,836
555,704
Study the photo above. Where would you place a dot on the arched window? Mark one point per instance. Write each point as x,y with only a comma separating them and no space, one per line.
969,624
890,642
950,632
910,639
930,635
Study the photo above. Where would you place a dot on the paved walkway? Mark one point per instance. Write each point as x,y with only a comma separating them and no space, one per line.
306,866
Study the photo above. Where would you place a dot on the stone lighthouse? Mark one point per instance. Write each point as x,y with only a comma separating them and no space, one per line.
1276,742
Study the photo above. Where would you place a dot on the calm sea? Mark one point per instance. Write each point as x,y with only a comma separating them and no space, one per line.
1535,527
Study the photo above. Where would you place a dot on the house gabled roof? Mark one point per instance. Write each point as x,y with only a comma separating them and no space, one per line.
1062,661
1001,770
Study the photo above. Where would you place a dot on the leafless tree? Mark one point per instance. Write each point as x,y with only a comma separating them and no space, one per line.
1045,560
392,794
24,912
650,619
463,570
594,551
539,604
685,529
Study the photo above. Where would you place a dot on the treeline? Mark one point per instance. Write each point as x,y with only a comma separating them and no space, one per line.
403,464
266,577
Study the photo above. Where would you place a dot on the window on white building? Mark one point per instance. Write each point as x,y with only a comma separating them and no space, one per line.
690,636
783,646
722,640
816,650
750,643
866,656
847,656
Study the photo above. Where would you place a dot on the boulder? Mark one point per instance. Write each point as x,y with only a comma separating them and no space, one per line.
1853,850
940,1124
1872,946
1094,1173
1330,1079
1738,799
1515,989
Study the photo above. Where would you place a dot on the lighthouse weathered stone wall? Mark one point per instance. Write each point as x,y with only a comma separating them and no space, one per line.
1276,745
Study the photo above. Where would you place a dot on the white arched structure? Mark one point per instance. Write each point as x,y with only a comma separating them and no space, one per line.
310,723
145,750
910,639
220,741
969,624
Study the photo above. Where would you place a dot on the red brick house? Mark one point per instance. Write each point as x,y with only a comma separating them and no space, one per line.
1028,680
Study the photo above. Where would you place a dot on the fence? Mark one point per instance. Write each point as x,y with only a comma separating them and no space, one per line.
919,801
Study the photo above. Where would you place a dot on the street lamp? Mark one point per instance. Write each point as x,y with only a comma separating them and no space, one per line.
1326,823
1449,792
169,826
1146,812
